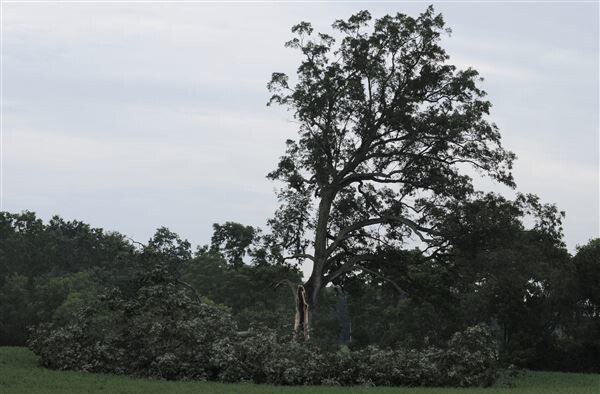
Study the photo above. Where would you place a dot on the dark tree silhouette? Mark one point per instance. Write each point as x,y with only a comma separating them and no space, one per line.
386,130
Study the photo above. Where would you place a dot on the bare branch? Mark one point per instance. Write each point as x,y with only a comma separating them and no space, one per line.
343,234
136,242
291,285
300,256
348,266
346,231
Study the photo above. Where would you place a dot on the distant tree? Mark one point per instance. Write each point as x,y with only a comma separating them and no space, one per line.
220,273
47,269
31,248
167,249
386,129
582,351
233,241
508,273
247,289
587,266
15,310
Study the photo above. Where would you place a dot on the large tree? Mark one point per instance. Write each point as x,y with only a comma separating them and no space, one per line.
387,128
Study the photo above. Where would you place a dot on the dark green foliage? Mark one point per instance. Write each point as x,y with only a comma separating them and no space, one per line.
15,310
37,286
31,248
161,328
28,301
587,271
167,249
386,128
554,326
233,241
46,269
578,345
160,331
546,323
470,357
519,279
249,290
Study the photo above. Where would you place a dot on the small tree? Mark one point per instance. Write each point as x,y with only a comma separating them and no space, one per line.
587,268
386,128
233,241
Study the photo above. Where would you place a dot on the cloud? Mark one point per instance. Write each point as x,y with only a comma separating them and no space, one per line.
491,70
113,110
193,146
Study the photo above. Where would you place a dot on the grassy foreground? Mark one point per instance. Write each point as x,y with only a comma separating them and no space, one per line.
19,373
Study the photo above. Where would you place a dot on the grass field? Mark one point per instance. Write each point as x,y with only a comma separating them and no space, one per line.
19,373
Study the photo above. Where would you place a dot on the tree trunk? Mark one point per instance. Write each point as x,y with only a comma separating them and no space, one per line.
302,319
306,306
307,296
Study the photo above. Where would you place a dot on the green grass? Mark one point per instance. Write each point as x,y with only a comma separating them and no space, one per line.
19,373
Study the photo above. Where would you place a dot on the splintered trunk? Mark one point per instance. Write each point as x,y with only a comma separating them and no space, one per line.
302,321
306,304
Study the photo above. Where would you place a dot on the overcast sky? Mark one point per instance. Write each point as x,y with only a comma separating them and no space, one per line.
135,116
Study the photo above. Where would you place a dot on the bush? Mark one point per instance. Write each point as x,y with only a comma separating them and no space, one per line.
263,357
470,358
162,331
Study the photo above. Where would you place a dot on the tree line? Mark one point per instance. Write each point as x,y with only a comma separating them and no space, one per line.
541,303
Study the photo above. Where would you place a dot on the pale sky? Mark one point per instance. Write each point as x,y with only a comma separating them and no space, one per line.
140,115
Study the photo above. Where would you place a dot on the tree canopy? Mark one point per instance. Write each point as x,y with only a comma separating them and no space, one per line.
387,129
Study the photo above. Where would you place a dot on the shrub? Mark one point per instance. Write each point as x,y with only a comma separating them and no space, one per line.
162,331
262,357
470,358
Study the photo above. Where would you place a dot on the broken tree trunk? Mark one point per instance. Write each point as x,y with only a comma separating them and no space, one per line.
302,321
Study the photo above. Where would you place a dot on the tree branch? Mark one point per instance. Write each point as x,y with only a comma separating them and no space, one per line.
290,285
192,289
300,256
416,228
396,286
348,266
